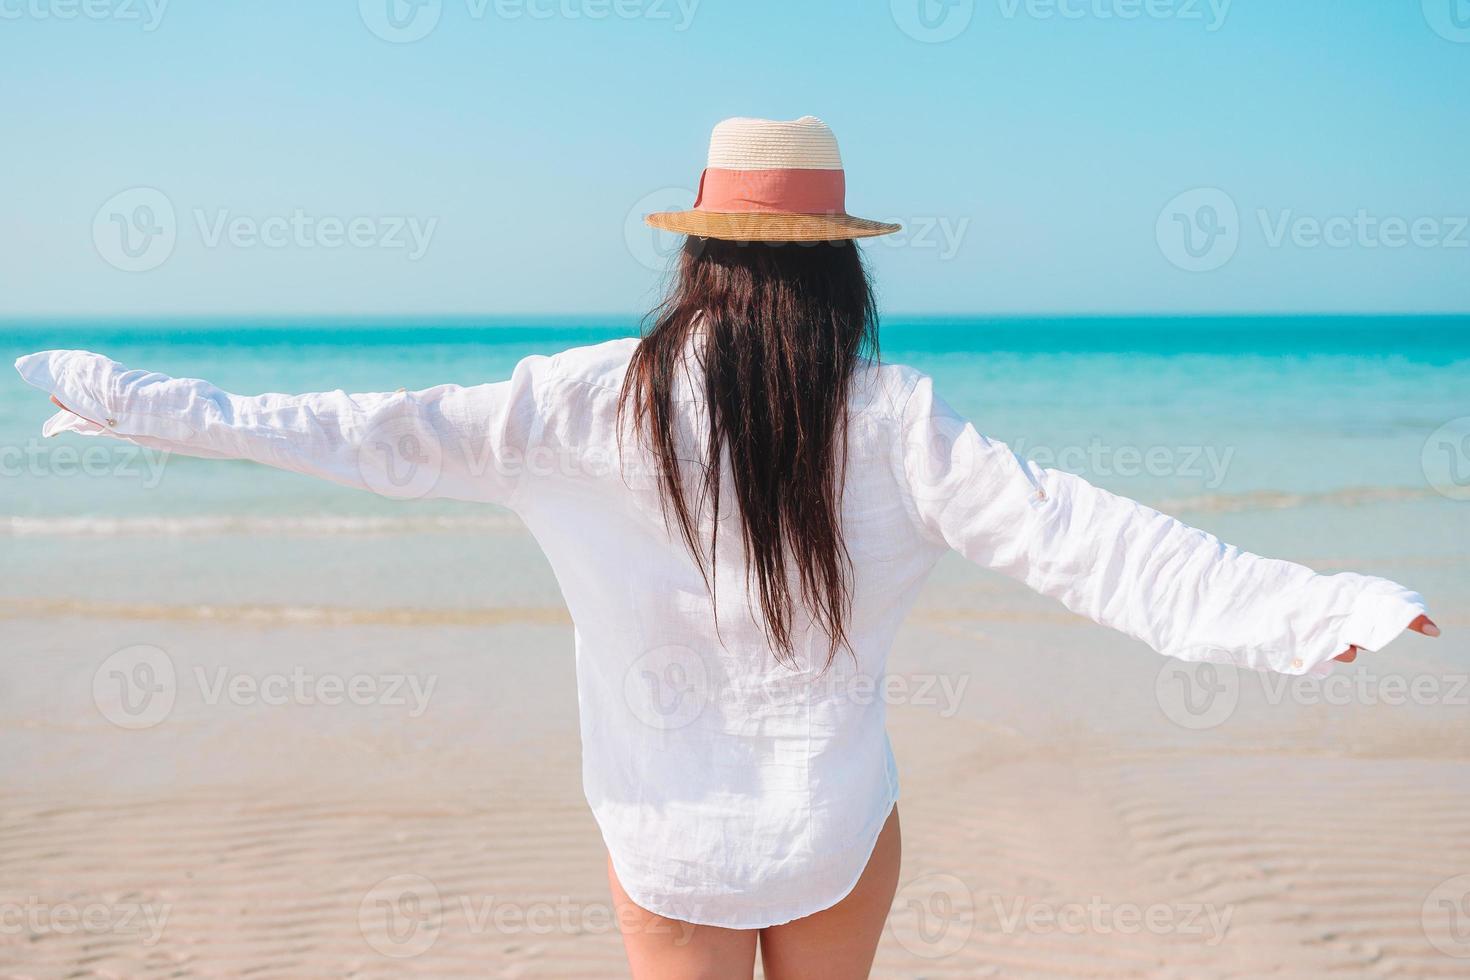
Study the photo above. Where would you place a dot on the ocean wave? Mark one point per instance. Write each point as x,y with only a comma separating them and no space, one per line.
319,525
311,525
1225,503
282,615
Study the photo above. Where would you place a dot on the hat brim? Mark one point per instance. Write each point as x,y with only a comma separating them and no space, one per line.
766,226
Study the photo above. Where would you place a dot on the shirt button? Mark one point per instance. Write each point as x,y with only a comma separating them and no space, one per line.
1297,663
112,423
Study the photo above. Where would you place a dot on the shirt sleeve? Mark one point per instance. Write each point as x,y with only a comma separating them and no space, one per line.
448,441
1180,590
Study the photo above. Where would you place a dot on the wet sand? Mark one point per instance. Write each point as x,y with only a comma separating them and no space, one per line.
1070,808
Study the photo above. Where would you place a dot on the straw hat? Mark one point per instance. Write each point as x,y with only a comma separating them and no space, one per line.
771,181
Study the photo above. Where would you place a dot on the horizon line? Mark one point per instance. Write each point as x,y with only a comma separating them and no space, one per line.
11,319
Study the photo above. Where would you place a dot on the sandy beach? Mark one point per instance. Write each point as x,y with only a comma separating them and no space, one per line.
311,793
254,725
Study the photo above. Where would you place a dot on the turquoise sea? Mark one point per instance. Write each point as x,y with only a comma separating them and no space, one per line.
1330,439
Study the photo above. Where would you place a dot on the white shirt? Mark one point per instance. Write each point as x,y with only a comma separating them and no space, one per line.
731,790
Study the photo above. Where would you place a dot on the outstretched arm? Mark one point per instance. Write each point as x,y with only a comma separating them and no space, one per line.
448,441
1180,590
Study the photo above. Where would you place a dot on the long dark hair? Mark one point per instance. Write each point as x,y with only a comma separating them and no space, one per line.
782,327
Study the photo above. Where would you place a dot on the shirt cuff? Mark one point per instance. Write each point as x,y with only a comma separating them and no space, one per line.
70,422
1376,619
48,372
104,393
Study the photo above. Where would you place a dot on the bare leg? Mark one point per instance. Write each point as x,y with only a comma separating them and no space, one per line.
668,949
838,943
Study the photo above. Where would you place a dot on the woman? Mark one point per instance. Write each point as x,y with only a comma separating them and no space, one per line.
740,508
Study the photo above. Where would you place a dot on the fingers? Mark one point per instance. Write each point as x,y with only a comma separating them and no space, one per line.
1424,625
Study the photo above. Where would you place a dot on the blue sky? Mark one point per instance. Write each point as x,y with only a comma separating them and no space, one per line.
1045,155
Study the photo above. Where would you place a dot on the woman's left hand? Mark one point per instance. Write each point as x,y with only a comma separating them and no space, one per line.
1423,625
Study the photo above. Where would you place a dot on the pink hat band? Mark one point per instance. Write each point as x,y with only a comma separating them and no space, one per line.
776,190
